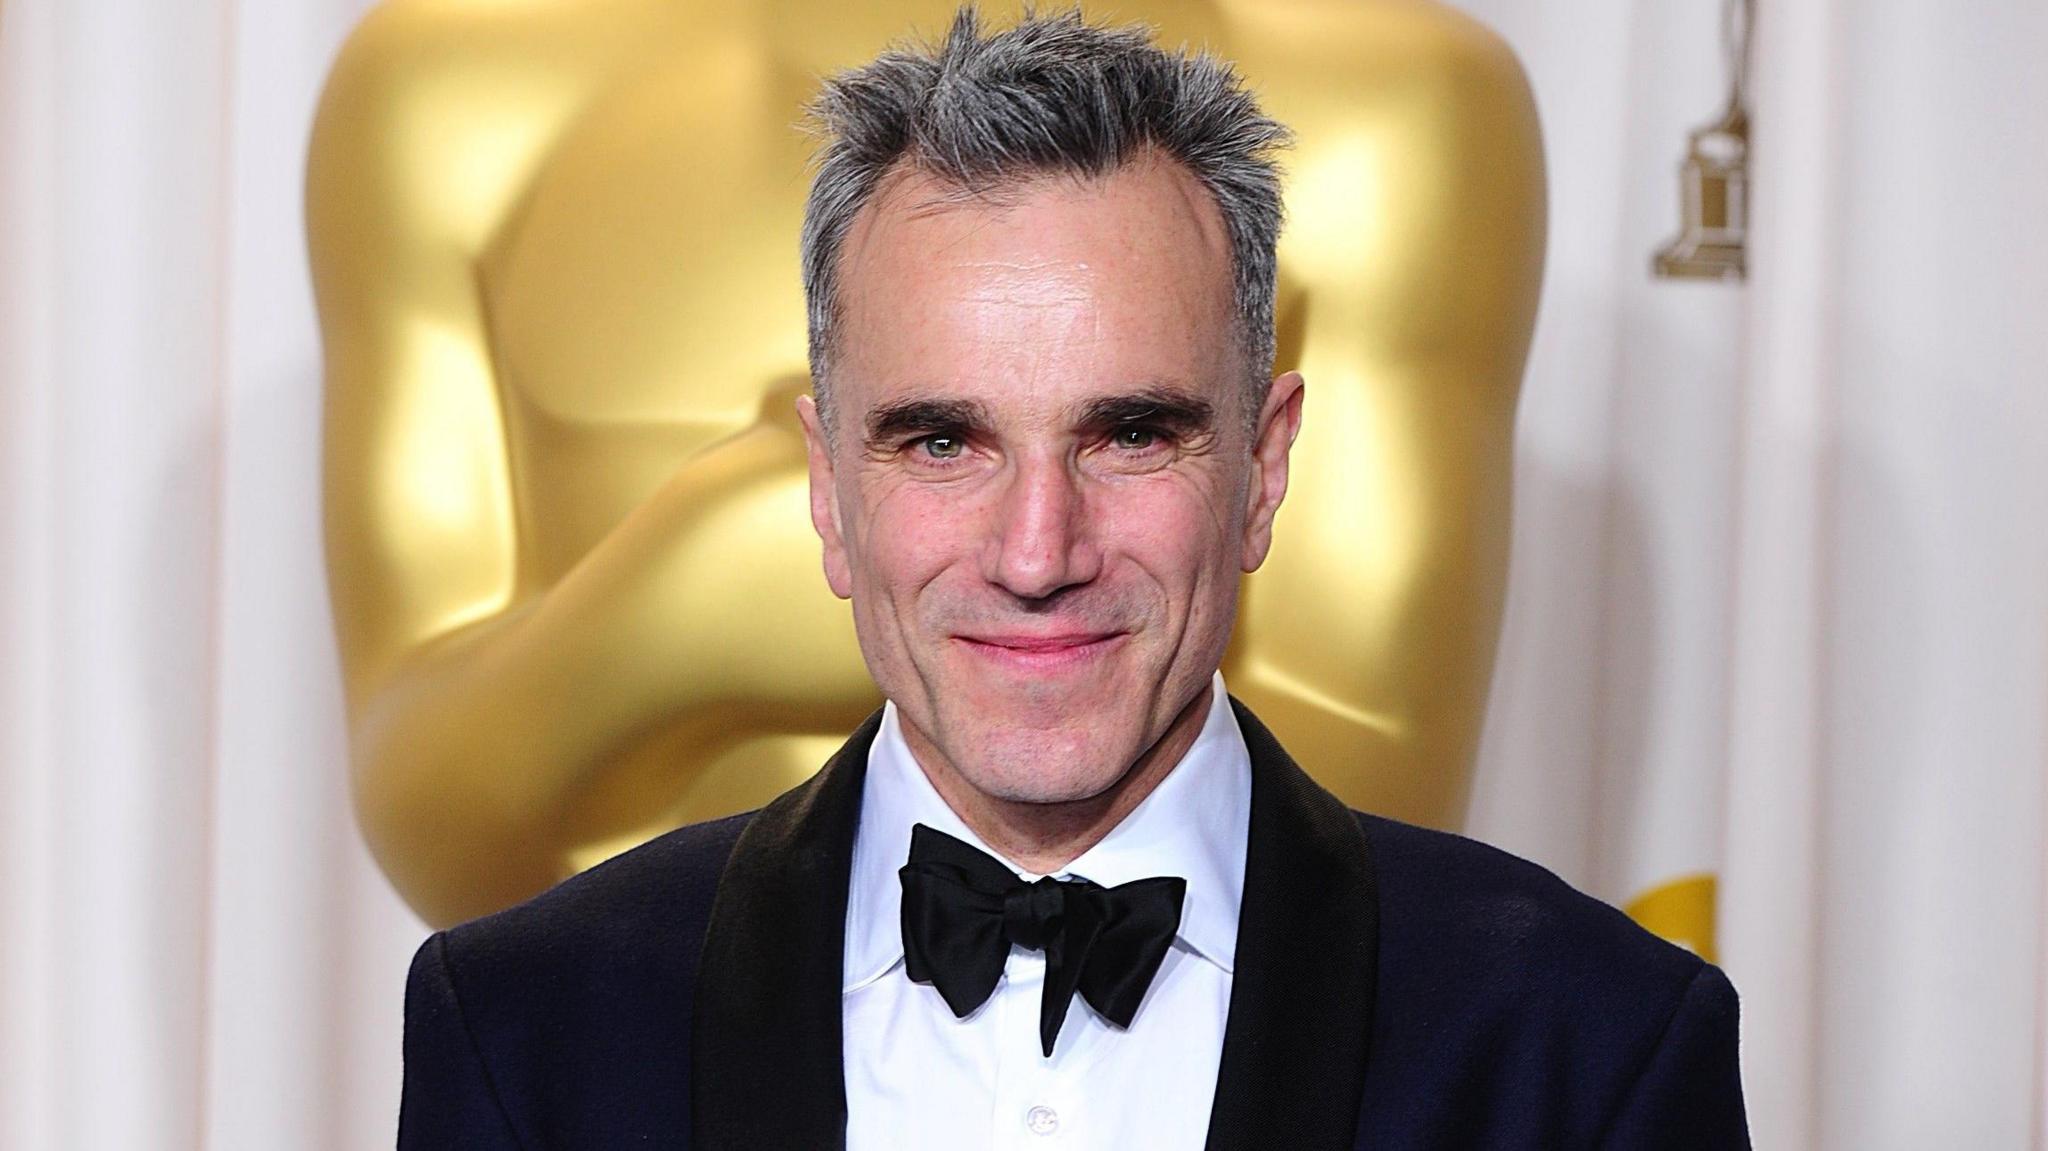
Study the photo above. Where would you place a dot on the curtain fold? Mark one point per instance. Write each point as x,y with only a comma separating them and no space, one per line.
196,951
1835,691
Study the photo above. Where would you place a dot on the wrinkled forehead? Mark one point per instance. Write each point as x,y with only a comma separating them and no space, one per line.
1038,295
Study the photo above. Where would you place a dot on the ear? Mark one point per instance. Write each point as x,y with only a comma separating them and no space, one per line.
1279,423
824,498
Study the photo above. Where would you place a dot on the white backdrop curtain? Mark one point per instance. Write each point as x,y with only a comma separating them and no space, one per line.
194,949
1781,556
1778,607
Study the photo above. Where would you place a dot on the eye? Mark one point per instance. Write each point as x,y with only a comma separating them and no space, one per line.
1134,437
942,447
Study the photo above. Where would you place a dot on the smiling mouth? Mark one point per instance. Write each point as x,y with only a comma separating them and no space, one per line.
1042,653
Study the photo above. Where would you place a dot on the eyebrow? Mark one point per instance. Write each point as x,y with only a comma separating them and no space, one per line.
1167,407
922,417
1171,408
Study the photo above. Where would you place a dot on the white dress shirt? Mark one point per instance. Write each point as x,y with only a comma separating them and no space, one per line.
918,1079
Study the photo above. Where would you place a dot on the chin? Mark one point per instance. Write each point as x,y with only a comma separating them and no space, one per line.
1065,764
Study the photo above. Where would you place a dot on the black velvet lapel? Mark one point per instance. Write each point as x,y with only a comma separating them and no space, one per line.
1301,999
765,1047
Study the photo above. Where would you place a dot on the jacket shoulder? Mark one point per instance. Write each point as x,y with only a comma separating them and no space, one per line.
1545,1008
549,1000
610,909
1465,897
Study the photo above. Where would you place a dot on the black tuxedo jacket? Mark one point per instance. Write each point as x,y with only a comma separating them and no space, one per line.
1394,988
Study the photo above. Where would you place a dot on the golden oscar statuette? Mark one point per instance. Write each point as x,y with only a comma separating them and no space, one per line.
578,595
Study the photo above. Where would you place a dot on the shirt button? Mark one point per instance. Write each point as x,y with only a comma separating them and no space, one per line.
1042,1120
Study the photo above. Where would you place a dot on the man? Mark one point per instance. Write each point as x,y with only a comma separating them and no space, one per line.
1061,890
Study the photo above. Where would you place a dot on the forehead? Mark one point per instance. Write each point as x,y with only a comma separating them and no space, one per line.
1057,288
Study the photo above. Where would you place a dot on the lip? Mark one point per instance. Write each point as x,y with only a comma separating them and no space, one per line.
1042,653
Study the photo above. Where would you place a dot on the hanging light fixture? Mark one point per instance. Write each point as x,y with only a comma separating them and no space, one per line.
1714,179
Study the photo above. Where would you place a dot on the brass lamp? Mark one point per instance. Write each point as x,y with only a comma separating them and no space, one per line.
1714,179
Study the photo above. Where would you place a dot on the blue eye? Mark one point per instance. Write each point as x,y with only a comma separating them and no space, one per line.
942,447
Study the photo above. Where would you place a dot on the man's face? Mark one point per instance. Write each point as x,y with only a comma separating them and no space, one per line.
1039,491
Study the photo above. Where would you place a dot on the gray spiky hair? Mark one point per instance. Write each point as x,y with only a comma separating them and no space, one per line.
1053,95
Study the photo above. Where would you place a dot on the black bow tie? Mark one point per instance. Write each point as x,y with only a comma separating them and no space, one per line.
962,909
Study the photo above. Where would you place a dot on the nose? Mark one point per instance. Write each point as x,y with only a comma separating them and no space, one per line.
1041,540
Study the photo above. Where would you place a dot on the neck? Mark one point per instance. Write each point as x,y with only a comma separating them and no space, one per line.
1041,838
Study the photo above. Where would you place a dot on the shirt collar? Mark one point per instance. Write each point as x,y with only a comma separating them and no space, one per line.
1194,825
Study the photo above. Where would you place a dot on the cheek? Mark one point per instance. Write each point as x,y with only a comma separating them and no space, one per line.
1176,532
908,536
